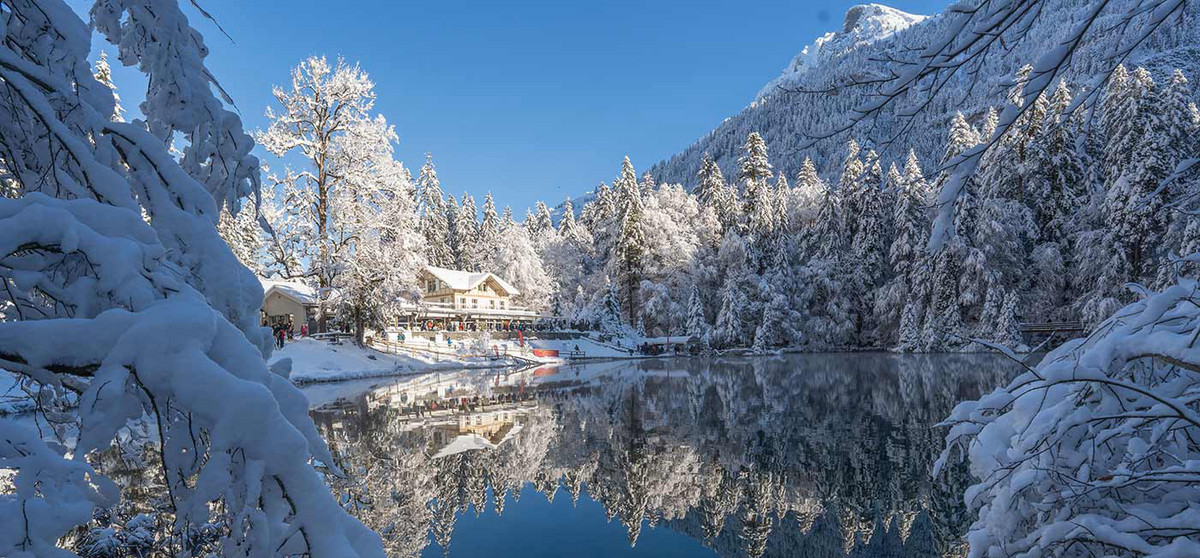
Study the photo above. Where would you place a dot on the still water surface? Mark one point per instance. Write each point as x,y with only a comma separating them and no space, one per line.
802,455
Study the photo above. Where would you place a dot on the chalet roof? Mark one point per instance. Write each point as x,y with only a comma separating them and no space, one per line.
467,280
298,292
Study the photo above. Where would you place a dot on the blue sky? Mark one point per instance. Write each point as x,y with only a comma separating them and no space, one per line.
529,100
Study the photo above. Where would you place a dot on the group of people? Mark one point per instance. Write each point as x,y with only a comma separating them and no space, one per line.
283,333
430,325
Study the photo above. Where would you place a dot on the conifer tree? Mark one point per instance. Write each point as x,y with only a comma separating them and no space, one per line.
631,239
807,196
542,221
826,237
868,249
910,217
466,233
566,223
943,319
1131,206
729,326
506,219
990,316
754,175
609,321
489,227
103,74
710,183
848,188
1007,330
244,236
696,324
780,202
1057,168
453,242
433,216
910,328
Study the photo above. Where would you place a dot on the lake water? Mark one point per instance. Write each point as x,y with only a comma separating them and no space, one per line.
802,455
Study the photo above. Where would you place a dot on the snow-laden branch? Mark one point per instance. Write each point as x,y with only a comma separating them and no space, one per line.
1096,450
115,287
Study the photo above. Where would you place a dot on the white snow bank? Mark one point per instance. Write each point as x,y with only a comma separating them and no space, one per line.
316,361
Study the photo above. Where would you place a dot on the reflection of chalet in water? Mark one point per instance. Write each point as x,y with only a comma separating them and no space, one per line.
474,431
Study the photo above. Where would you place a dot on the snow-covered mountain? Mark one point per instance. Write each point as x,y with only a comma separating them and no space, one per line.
787,119
865,24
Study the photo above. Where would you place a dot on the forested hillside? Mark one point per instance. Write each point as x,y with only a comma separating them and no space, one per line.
788,118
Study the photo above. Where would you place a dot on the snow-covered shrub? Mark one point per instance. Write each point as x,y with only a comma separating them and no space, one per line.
1094,452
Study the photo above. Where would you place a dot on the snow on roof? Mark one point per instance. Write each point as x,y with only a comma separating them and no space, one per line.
466,442
299,292
467,280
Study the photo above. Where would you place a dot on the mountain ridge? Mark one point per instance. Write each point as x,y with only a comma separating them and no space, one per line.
787,119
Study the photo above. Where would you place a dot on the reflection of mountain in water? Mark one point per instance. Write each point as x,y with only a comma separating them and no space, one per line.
813,455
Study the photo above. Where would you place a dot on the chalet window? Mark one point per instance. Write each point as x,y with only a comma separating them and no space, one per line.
501,304
474,303
492,303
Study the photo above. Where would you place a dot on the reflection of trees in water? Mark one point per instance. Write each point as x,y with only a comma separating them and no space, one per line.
820,455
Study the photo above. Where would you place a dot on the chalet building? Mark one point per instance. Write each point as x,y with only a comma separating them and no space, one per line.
289,304
464,301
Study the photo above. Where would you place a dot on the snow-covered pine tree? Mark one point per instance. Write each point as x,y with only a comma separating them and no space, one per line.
910,328
729,328
906,255
566,223
1057,182
826,237
910,218
943,327
1131,207
868,246
807,196
757,192
631,238
489,227
709,181
1177,121
990,316
506,218
1007,330
608,322
431,205
103,74
774,328
849,184
543,223
466,232
697,325
454,246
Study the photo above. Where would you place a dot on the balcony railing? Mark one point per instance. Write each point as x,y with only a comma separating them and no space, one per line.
468,309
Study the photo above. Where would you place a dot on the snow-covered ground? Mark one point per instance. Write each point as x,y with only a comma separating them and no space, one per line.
568,349
316,361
